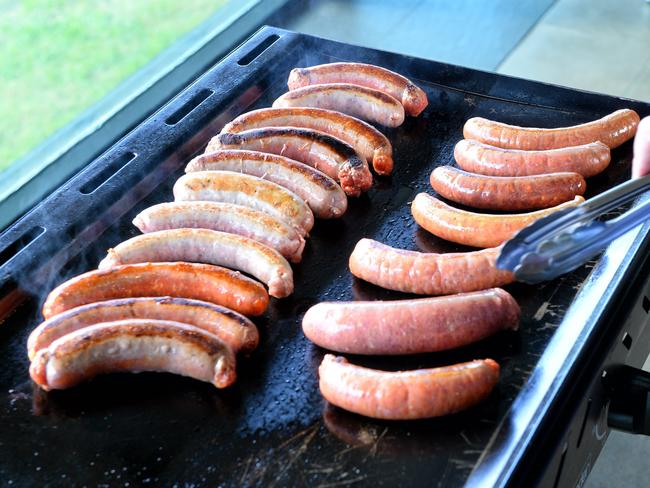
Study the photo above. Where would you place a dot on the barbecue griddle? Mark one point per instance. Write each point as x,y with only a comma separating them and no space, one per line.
272,428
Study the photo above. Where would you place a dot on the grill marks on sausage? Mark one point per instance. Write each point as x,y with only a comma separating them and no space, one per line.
504,192
134,345
367,141
406,395
207,246
246,190
332,156
325,198
225,217
472,228
232,328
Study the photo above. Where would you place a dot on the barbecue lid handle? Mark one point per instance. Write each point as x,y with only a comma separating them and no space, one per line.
629,393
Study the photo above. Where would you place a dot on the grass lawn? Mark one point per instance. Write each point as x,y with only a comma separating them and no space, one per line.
57,57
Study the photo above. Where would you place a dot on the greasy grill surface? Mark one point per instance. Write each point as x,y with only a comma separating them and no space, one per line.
271,427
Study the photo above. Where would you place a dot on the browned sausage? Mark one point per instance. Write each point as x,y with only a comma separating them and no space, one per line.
406,395
325,198
210,247
355,100
232,328
186,280
506,192
471,228
134,345
364,138
328,154
612,130
249,191
413,98
225,217
587,159
410,326
427,273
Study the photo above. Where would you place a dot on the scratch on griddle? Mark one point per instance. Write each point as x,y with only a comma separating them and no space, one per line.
298,452
296,436
343,482
547,325
373,449
322,469
245,473
541,311
465,438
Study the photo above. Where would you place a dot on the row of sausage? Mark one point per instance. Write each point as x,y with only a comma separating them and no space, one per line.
466,314
170,299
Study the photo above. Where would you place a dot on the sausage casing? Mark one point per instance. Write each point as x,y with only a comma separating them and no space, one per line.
134,345
225,217
427,273
325,198
476,157
210,247
249,191
410,326
471,228
506,192
355,100
363,137
612,130
399,87
205,282
328,154
406,395
232,328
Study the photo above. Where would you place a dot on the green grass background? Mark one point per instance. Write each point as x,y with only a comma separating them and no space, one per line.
58,57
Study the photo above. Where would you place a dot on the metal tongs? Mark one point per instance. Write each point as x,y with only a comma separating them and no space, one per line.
562,241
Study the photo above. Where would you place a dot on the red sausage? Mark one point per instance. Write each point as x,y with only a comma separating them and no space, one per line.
232,328
427,273
506,192
587,159
134,345
406,395
612,130
397,86
364,138
355,100
471,228
410,326
186,280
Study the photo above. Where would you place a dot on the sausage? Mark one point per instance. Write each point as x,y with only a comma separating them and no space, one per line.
406,395
204,282
249,191
410,326
134,345
506,192
587,159
355,100
225,217
471,228
363,137
325,198
427,273
612,130
399,87
333,157
239,333
210,247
